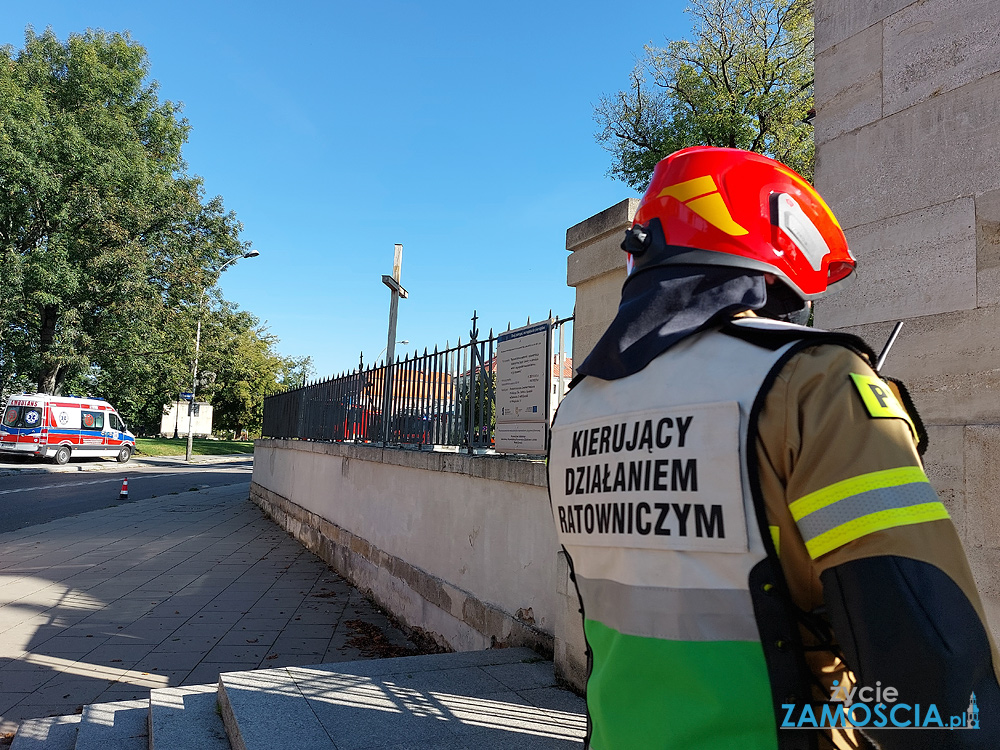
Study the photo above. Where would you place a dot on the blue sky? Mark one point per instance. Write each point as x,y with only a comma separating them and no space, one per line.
334,130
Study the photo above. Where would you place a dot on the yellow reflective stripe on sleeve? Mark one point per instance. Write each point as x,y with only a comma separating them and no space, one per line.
854,486
879,399
873,522
856,507
776,538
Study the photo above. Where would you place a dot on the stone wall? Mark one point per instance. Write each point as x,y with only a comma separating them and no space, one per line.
908,157
461,547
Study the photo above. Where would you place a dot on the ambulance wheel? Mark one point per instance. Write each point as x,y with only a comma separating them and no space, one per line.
62,455
124,454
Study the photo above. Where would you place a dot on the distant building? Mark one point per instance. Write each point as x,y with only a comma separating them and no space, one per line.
415,389
175,416
567,376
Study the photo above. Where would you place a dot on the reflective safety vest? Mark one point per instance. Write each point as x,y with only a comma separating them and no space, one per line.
652,498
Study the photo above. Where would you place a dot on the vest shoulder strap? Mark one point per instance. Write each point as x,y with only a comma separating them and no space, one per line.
773,334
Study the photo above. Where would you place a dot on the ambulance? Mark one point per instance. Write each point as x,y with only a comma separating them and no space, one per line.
61,427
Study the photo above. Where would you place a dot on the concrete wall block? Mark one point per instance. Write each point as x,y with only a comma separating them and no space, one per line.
985,564
938,45
570,646
849,84
982,445
597,258
608,221
934,152
949,362
988,248
920,263
944,463
837,20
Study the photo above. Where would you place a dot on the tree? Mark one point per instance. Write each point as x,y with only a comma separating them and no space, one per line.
104,237
242,355
745,81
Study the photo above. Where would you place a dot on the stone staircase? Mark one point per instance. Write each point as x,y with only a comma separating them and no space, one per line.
480,700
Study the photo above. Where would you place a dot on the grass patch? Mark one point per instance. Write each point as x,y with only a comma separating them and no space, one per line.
171,447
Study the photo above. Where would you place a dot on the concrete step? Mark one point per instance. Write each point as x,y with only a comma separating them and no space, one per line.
264,709
478,700
186,718
122,725
463,701
52,733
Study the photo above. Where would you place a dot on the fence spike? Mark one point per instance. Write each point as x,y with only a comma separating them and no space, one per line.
491,333
550,313
508,325
529,320
435,348
425,350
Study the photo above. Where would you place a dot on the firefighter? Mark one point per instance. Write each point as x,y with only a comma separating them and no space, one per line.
759,556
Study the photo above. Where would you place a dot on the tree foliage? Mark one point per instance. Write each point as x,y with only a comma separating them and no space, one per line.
107,243
745,80
241,354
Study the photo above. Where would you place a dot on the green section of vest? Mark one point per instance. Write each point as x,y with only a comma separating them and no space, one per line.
647,693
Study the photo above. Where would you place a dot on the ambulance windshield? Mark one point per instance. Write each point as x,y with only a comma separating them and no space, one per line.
22,416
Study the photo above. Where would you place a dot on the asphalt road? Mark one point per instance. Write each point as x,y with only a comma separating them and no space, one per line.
32,498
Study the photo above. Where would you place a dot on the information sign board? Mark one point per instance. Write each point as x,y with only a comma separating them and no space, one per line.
524,378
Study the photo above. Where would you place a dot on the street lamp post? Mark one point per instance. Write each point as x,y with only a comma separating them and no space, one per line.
177,412
404,342
197,347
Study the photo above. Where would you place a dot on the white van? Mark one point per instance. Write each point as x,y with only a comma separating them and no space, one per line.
59,427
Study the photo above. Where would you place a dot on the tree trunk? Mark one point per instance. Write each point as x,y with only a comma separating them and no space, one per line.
48,375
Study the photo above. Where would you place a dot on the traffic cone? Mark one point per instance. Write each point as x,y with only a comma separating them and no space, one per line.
123,495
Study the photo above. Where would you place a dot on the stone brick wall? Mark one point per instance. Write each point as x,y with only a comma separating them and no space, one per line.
908,157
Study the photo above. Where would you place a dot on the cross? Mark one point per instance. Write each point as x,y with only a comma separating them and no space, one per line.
397,291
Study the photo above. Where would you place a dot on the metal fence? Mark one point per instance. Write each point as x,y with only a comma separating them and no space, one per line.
442,397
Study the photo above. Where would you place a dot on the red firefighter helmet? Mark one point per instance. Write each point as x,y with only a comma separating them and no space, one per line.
725,206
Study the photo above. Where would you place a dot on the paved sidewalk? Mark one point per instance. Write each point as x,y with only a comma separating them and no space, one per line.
170,591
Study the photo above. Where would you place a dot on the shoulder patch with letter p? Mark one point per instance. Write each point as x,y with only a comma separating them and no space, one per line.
879,399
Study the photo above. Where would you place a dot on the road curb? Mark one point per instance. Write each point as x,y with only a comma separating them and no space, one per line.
98,465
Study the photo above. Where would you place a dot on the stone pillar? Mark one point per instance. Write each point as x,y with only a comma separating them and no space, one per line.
908,157
596,269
